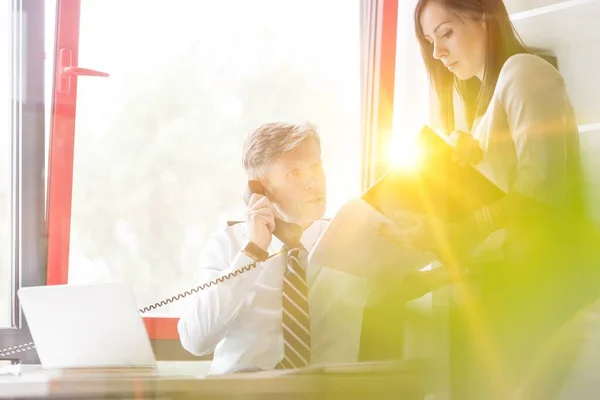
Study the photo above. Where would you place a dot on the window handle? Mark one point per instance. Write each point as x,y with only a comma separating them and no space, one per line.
68,71
83,72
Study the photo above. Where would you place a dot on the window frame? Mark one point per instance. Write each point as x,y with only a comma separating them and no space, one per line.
28,224
378,60
162,331
379,30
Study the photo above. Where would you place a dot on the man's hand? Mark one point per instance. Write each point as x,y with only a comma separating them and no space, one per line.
260,220
466,148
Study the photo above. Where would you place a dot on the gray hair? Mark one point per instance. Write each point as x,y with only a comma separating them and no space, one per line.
272,140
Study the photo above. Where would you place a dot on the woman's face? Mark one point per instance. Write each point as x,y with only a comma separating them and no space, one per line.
459,43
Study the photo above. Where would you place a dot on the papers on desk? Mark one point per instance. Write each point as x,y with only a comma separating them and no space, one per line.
358,368
351,243
14,384
10,370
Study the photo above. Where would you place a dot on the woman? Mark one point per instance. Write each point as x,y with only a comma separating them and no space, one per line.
524,137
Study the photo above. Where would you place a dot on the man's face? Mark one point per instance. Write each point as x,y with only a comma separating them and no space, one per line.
295,183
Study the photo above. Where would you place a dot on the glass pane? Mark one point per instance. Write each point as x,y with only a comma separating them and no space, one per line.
49,41
411,91
5,163
158,144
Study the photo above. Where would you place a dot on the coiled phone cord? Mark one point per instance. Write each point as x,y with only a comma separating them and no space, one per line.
29,346
206,285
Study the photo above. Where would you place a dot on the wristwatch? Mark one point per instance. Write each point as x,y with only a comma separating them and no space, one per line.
254,252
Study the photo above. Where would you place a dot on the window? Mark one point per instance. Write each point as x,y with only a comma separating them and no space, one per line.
411,92
22,223
5,165
157,148
49,61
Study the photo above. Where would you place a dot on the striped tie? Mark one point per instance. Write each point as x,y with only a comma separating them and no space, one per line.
295,315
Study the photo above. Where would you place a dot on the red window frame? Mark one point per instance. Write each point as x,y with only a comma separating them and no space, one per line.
62,145
380,22
64,111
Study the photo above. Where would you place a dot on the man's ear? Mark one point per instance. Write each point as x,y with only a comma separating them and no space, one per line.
268,187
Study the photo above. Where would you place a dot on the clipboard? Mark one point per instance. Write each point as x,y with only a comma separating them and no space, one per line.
438,187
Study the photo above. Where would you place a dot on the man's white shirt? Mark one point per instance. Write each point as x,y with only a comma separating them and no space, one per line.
239,320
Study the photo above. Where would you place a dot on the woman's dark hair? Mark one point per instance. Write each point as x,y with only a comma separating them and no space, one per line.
501,39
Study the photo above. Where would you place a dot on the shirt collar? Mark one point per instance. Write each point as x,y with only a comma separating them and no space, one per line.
308,239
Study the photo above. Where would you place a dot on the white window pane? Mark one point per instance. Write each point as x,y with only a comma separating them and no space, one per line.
5,163
158,144
411,92
49,42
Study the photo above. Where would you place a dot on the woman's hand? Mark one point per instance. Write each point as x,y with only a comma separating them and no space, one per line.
466,148
416,284
419,283
416,231
452,243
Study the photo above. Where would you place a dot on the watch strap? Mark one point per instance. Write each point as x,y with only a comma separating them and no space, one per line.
255,252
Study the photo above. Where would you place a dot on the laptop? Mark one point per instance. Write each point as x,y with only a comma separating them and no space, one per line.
87,326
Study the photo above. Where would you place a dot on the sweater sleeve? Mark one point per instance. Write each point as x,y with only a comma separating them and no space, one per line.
540,119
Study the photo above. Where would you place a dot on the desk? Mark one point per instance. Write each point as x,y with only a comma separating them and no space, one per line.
394,384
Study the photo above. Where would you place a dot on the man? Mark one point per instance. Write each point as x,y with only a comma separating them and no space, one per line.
281,314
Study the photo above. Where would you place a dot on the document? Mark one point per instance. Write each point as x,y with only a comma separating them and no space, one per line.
351,243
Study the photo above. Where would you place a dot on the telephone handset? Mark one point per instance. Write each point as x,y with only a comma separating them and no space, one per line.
288,233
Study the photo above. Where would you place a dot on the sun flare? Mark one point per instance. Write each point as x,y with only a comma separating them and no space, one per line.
403,152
